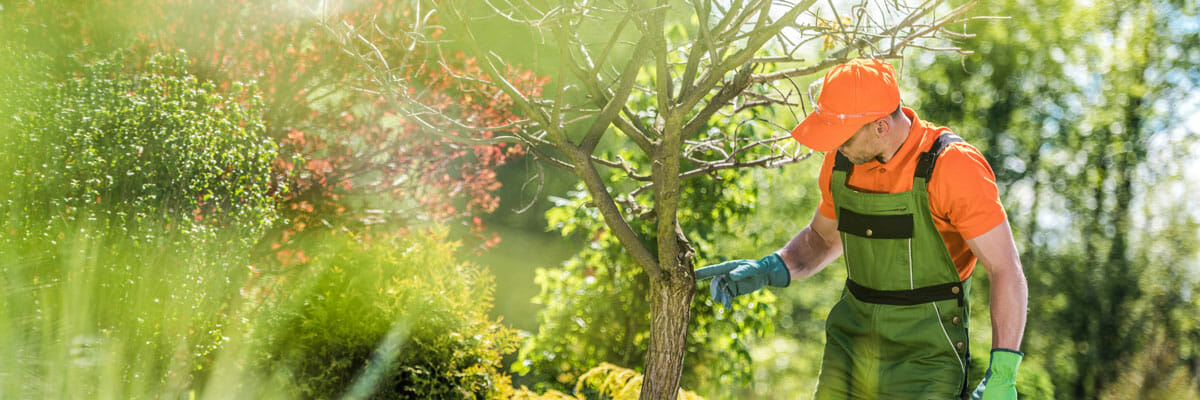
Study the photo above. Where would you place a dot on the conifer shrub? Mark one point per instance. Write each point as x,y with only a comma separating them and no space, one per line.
386,316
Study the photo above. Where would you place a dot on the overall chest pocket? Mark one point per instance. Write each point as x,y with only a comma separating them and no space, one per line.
898,226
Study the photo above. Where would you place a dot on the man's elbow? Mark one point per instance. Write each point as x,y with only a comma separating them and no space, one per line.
1007,272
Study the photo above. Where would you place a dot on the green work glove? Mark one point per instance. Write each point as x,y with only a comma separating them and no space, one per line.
1000,381
738,277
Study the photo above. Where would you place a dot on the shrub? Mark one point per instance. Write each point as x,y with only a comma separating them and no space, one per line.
117,149
130,199
604,382
392,316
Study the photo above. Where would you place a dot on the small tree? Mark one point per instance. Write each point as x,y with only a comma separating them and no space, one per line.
695,59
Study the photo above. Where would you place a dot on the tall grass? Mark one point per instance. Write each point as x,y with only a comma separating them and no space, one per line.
90,317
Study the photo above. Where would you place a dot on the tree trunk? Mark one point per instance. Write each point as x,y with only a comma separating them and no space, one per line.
670,311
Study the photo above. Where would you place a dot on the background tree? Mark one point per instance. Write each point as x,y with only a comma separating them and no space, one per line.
694,59
1082,111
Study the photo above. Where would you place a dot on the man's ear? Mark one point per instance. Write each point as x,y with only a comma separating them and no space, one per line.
882,126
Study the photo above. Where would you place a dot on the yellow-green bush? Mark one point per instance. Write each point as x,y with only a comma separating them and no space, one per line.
393,316
604,382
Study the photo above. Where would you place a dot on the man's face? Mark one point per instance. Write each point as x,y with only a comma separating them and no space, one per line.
863,146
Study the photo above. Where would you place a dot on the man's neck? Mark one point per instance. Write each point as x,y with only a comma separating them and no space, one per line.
899,134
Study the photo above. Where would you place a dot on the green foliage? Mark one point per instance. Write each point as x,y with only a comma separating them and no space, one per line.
95,317
604,382
1079,118
395,316
113,287
122,148
608,381
1033,382
1155,374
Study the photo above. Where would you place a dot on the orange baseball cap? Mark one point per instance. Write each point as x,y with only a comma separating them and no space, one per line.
854,94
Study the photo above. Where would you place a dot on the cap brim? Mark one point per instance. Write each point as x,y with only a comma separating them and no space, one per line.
822,134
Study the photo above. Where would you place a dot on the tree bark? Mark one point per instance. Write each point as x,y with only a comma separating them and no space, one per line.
671,297
670,311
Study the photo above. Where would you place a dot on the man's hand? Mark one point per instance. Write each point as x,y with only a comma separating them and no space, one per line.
1000,382
738,277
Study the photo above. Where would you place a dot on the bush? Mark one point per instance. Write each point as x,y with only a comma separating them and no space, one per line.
604,382
130,199
117,149
392,316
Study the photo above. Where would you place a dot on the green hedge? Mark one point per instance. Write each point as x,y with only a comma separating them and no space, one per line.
395,316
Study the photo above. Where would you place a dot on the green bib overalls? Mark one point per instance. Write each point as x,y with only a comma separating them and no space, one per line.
900,328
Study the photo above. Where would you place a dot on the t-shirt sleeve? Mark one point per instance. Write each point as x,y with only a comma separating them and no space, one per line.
825,207
964,193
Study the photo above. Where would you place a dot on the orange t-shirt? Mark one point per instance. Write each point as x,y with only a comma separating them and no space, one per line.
962,193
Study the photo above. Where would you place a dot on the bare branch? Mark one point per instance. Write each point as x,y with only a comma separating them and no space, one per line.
603,58
664,85
934,27
618,98
537,113
795,72
541,178
635,131
760,36
601,96
698,49
615,221
776,59
624,166
740,82
772,161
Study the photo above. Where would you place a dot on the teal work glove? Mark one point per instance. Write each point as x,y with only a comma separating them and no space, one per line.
738,277
1000,382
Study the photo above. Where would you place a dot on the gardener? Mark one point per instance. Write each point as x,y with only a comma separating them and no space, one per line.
912,207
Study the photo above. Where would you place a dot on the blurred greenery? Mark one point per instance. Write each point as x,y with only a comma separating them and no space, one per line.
131,201
112,145
131,192
1081,109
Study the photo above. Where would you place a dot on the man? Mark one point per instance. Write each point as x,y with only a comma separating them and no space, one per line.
911,207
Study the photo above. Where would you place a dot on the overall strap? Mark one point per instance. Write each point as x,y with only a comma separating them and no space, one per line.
927,159
841,163
925,162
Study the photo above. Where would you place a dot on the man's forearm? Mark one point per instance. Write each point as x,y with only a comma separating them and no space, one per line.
1010,294
809,252
1009,302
